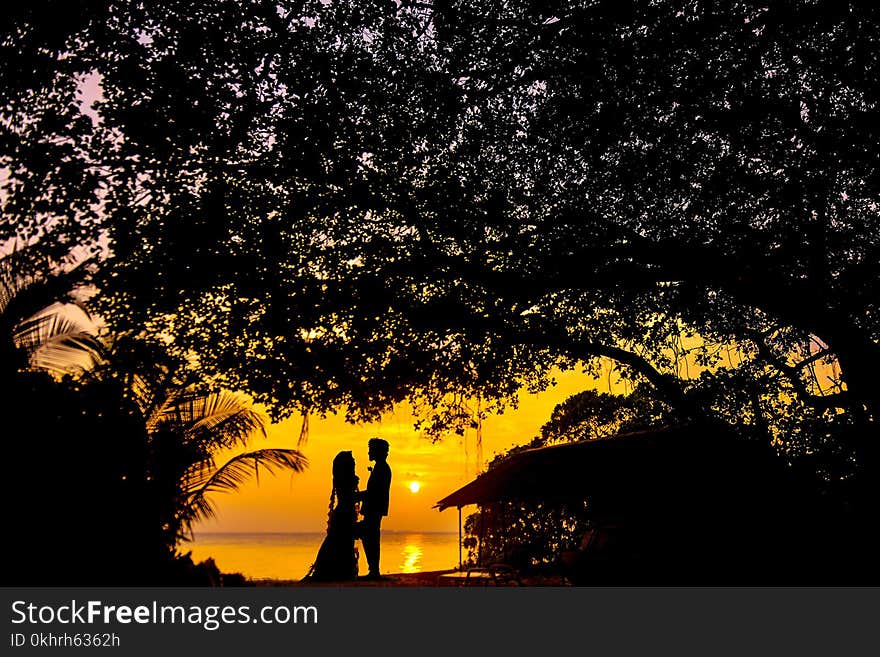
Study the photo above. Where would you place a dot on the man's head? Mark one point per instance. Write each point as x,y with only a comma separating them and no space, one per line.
377,449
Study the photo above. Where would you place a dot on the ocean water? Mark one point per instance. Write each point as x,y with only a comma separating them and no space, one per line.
290,555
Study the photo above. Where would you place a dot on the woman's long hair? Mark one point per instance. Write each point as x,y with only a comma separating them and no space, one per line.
343,479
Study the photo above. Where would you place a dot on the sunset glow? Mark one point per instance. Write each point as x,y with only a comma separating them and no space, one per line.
299,503
414,486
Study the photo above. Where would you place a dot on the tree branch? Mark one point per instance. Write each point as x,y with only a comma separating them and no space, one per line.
792,373
822,353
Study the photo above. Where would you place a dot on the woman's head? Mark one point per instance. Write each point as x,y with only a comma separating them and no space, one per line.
343,471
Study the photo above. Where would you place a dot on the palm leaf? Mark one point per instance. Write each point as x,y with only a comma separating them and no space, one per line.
149,376
215,420
59,341
153,393
69,354
29,284
202,480
15,278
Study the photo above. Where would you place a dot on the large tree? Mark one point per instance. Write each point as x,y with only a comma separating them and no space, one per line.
336,204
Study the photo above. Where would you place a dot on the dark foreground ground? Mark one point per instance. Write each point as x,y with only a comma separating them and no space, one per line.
431,578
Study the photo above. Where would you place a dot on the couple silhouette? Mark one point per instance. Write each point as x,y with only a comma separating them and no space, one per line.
337,558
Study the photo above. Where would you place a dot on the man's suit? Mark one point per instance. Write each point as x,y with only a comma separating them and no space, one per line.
373,507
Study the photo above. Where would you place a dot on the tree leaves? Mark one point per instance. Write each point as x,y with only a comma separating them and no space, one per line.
347,206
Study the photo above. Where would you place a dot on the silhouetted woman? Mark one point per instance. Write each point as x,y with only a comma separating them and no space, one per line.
337,558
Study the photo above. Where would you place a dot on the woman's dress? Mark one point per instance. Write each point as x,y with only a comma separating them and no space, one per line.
337,558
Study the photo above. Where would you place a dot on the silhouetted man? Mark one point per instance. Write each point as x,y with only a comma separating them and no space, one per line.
374,503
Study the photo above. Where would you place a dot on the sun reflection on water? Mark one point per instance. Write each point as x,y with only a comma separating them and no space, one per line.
287,556
412,558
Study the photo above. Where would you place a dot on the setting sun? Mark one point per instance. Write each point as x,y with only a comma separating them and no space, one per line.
414,486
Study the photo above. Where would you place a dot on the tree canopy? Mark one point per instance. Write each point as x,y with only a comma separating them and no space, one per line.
334,204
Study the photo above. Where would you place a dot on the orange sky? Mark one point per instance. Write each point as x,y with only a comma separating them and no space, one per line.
298,503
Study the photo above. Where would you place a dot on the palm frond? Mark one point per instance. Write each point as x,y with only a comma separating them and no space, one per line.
154,392
28,283
199,508
15,277
237,470
200,481
60,339
153,395
148,374
55,320
69,354
10,283
217,420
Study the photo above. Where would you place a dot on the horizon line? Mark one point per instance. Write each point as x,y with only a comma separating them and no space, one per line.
384,531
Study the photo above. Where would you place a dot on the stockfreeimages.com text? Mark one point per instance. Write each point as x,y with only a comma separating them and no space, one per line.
210,617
